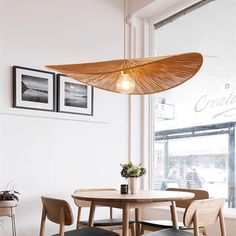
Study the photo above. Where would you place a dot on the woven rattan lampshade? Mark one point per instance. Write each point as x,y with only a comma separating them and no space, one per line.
151,75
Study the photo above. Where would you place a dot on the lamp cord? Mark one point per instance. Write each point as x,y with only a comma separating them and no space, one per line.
124,33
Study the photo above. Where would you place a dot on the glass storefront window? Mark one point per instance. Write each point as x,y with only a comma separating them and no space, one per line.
195,122
197,162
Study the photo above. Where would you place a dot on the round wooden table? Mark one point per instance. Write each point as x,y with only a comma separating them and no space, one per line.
133,201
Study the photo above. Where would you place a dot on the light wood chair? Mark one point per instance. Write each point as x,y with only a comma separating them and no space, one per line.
200,213
154,225
58,211
109,223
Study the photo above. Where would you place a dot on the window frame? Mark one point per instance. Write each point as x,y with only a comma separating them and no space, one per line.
148,47
211,129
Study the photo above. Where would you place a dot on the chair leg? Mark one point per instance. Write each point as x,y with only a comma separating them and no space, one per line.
42,225
142,229
132,229
222,223
203,231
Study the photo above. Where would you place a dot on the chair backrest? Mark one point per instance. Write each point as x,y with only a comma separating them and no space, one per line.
57,211
199,194
82,203
204,212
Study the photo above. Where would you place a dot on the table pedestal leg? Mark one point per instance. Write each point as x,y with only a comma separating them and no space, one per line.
137,218
125,230
91,213
174,216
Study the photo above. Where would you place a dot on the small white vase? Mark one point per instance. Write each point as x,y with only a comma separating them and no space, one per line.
132,185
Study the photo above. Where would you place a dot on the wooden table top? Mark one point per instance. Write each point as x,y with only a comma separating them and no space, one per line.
141,196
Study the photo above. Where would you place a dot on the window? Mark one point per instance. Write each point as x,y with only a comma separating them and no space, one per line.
194,124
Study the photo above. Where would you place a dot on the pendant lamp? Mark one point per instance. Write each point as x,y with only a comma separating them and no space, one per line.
137,76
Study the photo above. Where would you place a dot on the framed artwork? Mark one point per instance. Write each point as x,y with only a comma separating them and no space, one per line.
73,96
33,89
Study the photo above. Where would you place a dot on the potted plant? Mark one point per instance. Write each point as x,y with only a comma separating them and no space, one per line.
8,201
131,172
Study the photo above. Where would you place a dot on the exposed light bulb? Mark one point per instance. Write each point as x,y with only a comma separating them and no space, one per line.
125,84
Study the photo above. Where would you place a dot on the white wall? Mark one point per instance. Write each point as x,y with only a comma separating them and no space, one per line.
46,153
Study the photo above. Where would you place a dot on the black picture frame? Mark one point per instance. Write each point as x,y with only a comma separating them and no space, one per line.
33,89
74,97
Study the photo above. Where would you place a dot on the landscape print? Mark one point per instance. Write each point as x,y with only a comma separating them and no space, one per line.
76,95
34,89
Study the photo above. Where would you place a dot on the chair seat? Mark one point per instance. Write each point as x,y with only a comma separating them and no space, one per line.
169,232
106,222
165,224
89,231
161,223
